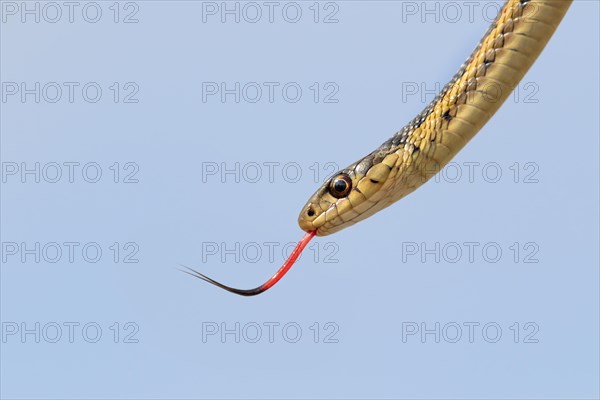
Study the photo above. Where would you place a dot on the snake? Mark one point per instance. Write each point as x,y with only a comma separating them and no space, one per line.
422,148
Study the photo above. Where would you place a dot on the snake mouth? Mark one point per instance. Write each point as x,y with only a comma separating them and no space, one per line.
310,219
305,225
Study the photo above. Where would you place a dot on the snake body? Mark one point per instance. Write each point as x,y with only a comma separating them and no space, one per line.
428,142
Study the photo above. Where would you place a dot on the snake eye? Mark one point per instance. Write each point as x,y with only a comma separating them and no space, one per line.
340,186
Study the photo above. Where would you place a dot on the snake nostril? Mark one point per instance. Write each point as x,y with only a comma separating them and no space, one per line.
310,212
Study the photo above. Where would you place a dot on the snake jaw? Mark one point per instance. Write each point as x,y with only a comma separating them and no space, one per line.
312,217
305,225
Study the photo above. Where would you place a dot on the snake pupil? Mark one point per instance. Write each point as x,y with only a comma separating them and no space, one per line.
340,186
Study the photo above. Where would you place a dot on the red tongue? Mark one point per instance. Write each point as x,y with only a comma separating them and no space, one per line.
289,262
268,284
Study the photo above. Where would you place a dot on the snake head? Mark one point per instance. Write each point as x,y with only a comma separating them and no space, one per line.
349,196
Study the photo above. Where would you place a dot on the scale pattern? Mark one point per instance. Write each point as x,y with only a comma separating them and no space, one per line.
427,143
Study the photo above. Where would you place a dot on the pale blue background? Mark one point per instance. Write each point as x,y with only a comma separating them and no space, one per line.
370,292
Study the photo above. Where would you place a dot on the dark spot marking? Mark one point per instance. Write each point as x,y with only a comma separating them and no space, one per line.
446,115
374,181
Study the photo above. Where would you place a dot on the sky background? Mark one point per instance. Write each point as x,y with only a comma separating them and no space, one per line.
482,284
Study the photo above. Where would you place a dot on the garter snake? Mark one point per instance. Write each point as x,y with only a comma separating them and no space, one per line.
428,142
